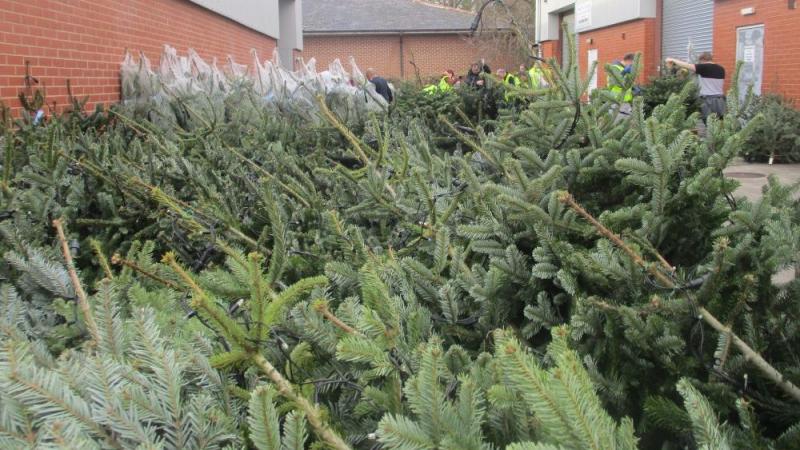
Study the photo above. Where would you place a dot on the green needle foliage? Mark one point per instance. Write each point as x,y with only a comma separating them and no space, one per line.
406,281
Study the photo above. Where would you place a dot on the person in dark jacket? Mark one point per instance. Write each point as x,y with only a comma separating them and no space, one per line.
381,86
474,78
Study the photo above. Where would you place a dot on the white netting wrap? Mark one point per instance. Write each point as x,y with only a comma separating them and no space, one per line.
189,91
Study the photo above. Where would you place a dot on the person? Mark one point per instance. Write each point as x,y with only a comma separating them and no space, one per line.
381,86
445,83
509,80
536,77
448,80
473,78
711,78
623,69
501,74
522,74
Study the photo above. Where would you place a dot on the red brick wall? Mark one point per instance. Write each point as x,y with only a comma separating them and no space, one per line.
379,52
84,41
612,43
432,54
551,49
781,43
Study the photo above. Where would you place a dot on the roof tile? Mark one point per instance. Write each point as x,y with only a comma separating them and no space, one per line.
381,16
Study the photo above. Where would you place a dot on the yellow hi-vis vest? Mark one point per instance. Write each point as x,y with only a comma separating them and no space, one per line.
442,86
510,80
535,76
616,89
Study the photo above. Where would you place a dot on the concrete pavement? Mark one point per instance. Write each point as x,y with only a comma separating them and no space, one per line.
753,177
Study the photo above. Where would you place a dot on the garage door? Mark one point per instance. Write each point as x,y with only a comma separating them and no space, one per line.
688,28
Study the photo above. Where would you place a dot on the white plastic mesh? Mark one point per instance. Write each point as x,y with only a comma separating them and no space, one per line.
187,88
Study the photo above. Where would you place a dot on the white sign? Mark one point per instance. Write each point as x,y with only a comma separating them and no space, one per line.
583,15
592,53
749,55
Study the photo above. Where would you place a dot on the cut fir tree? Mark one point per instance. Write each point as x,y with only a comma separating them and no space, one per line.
361,286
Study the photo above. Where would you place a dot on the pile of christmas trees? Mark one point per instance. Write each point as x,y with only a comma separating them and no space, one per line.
188,92
570,279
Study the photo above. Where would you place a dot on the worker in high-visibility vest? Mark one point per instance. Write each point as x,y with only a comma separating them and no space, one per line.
537,77
622,69
445,83
509,81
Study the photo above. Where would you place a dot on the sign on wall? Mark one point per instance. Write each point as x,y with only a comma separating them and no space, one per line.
750,50
583,15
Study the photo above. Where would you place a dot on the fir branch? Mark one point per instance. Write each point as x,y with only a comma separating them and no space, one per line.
321,306
83,301
116,259
566,198
472,144
294,431
320,426
750,355
223,324
263,420
707,430
270,176
101,258
328,115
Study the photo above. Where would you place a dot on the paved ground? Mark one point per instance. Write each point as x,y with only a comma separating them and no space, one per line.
753,177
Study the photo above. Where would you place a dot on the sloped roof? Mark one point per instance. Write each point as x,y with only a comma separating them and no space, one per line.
381,16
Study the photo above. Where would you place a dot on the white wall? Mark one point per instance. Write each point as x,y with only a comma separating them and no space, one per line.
547,14
260,15
598,14
291,30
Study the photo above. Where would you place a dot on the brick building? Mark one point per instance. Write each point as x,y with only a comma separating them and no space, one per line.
761,33
394,36
84,41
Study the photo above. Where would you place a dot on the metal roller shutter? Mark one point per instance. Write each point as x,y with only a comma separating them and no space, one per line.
688,28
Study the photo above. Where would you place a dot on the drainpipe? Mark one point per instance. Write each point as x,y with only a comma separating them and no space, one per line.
659,31
402,59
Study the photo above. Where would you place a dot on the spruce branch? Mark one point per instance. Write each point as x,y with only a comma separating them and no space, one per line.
750,355
566,198
470,143
270,176
321,306
328,115
313,414
101,258
116,259
222,323
83,301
